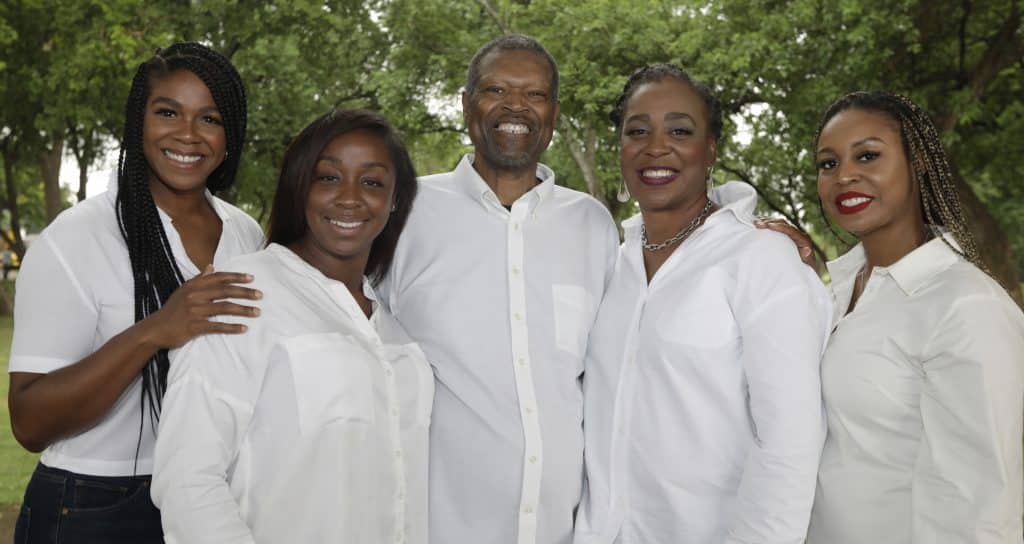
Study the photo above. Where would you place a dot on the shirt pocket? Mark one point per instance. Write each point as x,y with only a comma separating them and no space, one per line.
574,313
333,380
699,317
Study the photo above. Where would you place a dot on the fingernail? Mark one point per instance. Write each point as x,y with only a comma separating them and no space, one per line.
248,277
258,294
255,312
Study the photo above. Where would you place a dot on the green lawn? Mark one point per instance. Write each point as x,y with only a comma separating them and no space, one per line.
16,464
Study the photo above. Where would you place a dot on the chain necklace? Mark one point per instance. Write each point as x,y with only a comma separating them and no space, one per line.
687,230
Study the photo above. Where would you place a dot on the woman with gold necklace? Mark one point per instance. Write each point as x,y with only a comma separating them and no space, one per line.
702,391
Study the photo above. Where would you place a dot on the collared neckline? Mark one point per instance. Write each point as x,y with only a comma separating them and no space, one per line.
299,265
733,198
473,185
911,272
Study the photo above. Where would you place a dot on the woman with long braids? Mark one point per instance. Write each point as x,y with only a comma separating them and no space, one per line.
105,292
702,393
923,377
312,427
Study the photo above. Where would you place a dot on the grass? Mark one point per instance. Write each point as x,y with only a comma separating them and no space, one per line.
16,463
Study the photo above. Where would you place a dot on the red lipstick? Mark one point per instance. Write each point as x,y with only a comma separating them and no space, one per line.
854,202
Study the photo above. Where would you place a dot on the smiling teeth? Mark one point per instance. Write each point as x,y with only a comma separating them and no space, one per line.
856,201
658,173
183,158
346,224
513,128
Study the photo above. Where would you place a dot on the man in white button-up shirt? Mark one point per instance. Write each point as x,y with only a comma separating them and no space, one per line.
498,276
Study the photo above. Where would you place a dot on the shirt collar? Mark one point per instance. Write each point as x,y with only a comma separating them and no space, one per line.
913,271
296,264
469,182
735,198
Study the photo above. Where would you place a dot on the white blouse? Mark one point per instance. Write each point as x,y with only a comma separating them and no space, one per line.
924,390
703,412
501,302
74,293
310,427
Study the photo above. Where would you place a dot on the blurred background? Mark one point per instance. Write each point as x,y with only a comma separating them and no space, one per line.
66,67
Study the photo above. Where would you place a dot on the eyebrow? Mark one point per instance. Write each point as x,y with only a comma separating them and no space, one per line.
336,160
858,143
175,104
671,116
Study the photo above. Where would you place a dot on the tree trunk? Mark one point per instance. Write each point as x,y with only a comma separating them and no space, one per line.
583,151
49,165
11,202
992,242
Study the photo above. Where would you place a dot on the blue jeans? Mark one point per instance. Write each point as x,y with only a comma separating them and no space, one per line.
62,507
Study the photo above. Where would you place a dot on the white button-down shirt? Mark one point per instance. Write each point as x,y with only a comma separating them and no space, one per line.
75,292
501,302
924,391
703,410
310,427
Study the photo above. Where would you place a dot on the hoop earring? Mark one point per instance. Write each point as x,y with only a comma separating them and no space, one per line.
623,194
710,181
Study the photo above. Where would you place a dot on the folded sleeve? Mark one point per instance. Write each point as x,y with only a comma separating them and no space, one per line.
783,311
204,418
51,302
967,480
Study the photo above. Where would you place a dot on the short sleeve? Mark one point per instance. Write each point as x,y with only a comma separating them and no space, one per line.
55,318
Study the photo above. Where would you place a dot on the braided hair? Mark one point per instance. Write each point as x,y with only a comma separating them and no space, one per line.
659,72
154,270
929,165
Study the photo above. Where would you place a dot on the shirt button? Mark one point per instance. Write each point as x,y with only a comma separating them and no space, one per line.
515,270
522,361
529,409
517,316
528,509
515,226
394,412
533,459
398,453
389,372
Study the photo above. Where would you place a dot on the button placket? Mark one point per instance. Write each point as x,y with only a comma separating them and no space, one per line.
532,445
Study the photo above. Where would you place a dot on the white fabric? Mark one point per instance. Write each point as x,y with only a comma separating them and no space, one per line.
74,293
924,390
703,410
501,302
311,427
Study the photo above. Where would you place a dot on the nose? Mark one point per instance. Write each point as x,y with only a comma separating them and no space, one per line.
847,174
348,193
187,131
515,100
656,144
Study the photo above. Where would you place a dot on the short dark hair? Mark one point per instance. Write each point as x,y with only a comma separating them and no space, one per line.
288,214
659,72
510,42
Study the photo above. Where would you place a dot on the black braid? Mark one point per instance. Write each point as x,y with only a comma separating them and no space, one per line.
929,165
154,270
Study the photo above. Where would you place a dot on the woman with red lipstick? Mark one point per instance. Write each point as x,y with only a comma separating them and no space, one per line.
102,296
312,427
923,377
702,393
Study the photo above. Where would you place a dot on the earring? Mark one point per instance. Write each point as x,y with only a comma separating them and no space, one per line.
394,207
623,194
710,180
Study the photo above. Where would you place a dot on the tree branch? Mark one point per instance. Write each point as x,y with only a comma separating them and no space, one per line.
493,14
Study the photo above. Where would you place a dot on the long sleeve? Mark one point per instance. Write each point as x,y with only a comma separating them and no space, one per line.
783,326
205,415
967,480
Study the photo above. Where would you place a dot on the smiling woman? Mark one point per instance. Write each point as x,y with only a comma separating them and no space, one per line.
102,296
312,427
922,379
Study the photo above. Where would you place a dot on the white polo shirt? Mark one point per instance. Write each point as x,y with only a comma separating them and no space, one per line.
74,293
502,302
924,391
703,408
311,427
